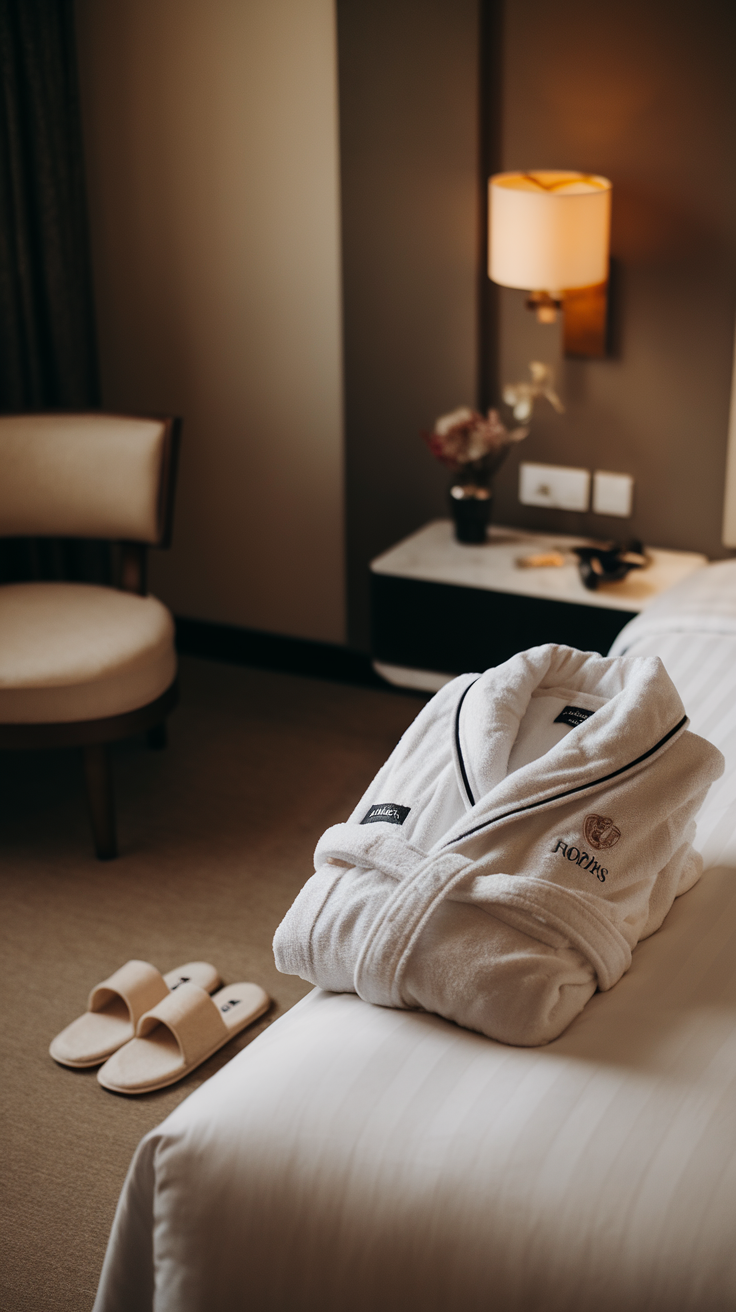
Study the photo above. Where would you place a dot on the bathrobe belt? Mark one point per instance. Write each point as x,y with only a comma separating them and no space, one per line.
423,881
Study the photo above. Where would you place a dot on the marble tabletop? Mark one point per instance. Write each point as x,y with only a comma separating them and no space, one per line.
433,555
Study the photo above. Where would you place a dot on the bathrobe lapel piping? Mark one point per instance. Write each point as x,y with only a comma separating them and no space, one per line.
555,797
458,748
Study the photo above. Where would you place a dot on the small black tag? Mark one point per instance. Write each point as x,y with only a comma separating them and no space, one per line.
573,715
389,812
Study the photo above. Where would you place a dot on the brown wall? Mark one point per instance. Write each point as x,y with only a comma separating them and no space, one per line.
212,166
642,91
212,163
409,166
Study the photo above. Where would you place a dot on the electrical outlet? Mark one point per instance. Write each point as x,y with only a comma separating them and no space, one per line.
612,494
556,486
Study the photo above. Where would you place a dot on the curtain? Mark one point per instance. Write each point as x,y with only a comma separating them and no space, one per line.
47,336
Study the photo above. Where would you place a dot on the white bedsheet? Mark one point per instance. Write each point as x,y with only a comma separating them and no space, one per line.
358,1158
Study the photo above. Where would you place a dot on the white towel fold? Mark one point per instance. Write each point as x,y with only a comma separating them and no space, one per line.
530,827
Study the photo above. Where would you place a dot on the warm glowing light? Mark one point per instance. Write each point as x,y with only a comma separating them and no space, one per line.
548,230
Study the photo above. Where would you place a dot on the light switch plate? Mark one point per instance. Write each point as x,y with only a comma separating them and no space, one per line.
556,486
612,493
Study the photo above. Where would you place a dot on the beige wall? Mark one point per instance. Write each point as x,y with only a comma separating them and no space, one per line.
211,137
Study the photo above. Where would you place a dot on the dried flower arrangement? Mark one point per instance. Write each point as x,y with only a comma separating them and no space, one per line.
521,396
465,438
474,448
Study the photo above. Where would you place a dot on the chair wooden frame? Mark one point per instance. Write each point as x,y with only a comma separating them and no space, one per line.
94,737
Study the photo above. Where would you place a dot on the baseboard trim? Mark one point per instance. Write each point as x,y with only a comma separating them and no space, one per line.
273,651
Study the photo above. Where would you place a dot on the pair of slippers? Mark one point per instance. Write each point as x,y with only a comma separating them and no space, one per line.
151,1030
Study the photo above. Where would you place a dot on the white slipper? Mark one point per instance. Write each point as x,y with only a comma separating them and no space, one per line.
116,1005
180,1033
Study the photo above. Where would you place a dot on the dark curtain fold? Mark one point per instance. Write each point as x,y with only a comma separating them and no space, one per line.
48,357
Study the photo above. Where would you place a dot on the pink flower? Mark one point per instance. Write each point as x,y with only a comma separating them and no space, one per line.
464,437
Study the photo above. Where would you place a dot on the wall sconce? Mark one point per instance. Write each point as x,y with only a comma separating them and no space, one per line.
549,235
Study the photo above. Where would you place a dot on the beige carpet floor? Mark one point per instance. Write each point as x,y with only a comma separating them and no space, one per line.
216,837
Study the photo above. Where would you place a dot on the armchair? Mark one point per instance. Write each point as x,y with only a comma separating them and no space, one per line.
83,665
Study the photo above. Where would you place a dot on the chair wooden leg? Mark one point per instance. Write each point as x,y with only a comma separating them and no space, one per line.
98,778
156,737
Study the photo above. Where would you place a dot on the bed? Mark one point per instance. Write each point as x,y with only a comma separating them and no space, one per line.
360,1158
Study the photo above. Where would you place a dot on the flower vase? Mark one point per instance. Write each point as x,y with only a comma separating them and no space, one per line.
471,501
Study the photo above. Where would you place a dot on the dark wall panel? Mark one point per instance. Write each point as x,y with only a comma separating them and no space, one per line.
409,74
644,93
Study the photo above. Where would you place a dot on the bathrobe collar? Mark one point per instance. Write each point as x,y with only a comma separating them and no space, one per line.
642,717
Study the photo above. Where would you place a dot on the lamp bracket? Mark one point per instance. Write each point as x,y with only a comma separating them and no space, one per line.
584,317
546,306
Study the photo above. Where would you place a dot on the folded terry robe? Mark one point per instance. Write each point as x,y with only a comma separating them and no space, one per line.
532,825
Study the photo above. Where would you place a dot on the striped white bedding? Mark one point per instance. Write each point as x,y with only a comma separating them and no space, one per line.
356,1158
693,629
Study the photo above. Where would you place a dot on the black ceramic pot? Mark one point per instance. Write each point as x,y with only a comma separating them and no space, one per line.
471,501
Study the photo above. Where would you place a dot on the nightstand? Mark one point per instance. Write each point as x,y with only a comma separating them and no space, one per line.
439,608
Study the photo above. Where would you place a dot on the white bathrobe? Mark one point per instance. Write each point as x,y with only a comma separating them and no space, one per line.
532,824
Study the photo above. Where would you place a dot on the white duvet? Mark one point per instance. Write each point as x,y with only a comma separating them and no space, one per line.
357,1157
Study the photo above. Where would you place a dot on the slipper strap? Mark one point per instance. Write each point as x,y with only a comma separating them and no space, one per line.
138,983
194,1020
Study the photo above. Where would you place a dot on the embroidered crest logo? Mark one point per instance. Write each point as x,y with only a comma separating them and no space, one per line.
600,831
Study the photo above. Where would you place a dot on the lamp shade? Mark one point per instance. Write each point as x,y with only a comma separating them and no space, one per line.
548,230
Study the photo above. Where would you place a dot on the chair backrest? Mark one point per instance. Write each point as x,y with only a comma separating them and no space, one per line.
87,476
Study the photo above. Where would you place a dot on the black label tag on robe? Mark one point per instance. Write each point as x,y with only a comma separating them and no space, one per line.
573,715
390,812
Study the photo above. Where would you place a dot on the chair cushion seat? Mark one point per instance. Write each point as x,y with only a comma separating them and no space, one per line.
73,651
